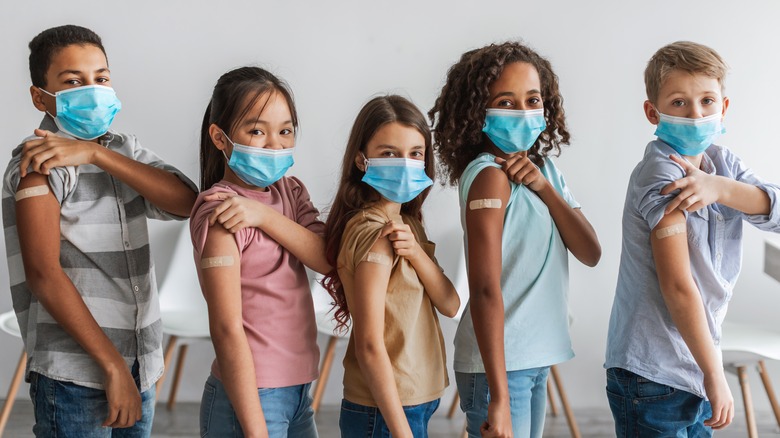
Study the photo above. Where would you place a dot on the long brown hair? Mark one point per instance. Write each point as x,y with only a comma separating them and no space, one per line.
459,112
235,93
354,195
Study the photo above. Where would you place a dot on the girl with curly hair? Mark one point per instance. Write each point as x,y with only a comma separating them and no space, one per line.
385,277
498,119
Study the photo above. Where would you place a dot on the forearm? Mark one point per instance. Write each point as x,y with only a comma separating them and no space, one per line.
744,197
438,287
576,232
489,331
375,365
158,186
238,376
304,244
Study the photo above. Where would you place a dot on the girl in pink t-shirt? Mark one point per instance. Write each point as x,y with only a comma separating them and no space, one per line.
253,230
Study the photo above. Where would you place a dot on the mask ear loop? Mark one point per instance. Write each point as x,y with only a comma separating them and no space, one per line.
365,162
52,95
227,159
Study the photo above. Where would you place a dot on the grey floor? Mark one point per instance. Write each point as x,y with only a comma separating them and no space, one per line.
183,422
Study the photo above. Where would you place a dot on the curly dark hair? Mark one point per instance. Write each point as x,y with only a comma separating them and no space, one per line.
458,115
354,195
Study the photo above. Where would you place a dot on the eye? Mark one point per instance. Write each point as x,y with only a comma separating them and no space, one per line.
74,82
388,154
708,101
505,103
286,131
256,132
103,80
678,103
418,155
535,101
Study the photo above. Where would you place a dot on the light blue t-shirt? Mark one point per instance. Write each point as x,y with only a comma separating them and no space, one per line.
642,337
534,278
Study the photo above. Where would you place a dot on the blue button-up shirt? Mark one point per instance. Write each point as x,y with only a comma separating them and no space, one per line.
642,337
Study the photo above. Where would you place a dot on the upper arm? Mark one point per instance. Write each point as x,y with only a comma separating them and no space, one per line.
485,228
38,226
367,306
307,215
670,252
221,285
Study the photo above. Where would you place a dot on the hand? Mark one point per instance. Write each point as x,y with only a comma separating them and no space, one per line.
719,394
697,189
499,421
521,170
403,240
236,212
124,400
50,151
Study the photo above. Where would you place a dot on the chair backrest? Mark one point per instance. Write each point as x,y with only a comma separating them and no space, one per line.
772,259
180,289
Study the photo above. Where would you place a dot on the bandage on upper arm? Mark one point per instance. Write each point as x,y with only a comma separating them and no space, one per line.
216,262
479,204
671,230
29,192
378,258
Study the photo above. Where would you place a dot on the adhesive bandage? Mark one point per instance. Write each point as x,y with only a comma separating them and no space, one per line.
671,230
216,262
380,259
31,191
479,204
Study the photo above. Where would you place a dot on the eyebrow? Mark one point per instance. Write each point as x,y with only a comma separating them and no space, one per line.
251,122
78,72
511,94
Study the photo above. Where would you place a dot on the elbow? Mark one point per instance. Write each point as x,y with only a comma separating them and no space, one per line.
42,284
592,258
452,305
367,352
222,330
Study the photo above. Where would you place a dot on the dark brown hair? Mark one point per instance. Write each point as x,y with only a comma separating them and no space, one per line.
235,93
354,195
49,42
459,112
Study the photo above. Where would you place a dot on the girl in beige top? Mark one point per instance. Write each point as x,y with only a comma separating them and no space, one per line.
386,279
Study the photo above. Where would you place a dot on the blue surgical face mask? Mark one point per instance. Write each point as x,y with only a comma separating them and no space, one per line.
259,167
514,130
397,179
85,112
687,136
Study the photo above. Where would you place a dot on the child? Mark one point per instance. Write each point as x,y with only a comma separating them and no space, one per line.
681,254
386,279
75,202
500,115
251,264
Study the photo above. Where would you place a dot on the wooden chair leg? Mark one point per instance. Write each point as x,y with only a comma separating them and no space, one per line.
749,415
319,390
551,398
12,390
455,401
465,431
575,430
177,376
167,356
770,392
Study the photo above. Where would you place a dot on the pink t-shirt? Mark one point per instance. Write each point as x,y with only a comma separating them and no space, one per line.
278,311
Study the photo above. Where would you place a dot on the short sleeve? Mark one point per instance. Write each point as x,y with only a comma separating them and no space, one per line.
145,156
306,214
199,223
62,180
555,177
653,174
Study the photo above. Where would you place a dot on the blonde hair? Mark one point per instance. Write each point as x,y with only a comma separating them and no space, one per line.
687,56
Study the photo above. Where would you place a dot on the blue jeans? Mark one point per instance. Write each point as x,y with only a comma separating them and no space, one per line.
64,409
287,412
360,421
642,408
527,400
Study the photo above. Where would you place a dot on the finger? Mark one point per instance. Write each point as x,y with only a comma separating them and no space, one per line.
388,229
41,133
673,204
232,222
715,418
499,160
219,196
675,185
113,413
682,162
688,203
139,413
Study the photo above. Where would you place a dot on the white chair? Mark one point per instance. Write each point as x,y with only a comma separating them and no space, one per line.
9,325
182,308
325,325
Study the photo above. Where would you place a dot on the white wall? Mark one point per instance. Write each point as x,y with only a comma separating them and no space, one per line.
166,56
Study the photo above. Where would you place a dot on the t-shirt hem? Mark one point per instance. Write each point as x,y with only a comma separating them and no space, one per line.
652,375
279,383
404,402
479,367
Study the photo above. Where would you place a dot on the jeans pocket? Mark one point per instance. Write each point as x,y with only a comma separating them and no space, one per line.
648,390
466,386
206,407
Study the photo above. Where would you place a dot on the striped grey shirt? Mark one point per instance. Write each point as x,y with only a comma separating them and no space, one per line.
104,250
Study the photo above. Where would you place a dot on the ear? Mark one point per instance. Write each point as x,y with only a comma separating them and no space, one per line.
725,106
360,162
218,137
651,113
37,99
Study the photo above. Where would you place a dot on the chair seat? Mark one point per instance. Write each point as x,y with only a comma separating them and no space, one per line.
9,324
743,343
185,324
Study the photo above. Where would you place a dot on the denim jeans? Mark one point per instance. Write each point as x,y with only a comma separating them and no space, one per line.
642,408
527,400
64,409
358,421
287,412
